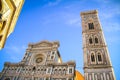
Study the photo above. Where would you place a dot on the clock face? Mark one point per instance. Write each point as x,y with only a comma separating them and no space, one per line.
39,60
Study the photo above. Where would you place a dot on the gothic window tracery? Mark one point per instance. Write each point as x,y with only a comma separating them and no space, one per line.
96,40
34,68
91,26
92,57
99,57
90,40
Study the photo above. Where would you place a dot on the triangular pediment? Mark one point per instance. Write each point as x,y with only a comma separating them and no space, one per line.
43,44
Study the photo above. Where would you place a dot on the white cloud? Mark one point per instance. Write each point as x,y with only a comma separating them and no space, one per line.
75,22
112,39
112,27
102,1
15,49
109,11
14,52
15,58
56,2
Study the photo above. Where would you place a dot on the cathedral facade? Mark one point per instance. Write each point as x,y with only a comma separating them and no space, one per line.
42,61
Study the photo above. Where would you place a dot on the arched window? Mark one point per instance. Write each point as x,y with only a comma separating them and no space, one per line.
52,57
99,57
92,57
64,71
96,40
53,52
44,69
34,68
91,25
55,71
90,41
59,70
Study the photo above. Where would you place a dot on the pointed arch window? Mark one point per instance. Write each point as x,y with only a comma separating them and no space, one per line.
96,40
90,41
91,25
55,71
92,57
99,57
64,71
34,68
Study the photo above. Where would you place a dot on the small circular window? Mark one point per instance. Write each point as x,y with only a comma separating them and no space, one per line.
39,60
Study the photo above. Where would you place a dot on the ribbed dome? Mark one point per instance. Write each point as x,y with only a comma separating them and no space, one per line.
79,76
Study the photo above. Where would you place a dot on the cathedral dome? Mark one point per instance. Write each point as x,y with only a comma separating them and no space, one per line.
79,76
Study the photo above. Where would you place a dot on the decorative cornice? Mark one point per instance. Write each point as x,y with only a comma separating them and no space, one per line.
89,12
44,43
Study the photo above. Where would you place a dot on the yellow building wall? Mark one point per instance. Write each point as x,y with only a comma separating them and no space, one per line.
9,11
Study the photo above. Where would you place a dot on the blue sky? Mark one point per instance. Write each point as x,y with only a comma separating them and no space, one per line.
60,20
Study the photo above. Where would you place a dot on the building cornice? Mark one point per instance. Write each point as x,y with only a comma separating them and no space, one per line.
89,12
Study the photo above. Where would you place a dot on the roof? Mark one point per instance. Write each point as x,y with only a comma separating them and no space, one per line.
79,76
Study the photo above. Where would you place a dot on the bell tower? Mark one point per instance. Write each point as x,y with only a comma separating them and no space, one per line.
97,64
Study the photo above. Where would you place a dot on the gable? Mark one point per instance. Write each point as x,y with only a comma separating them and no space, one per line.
43,44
